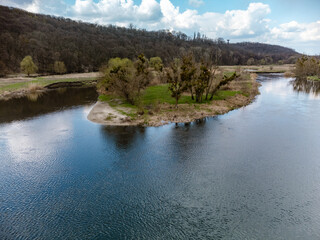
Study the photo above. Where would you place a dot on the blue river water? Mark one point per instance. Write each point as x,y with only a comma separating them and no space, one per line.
253,173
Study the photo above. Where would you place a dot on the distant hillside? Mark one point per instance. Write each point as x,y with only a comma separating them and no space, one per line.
85,47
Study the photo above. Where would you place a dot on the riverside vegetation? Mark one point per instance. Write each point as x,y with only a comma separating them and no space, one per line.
145,92
308,68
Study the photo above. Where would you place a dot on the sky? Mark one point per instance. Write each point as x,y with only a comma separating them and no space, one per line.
290,23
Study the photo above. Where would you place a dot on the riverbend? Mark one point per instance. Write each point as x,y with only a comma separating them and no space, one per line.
253,173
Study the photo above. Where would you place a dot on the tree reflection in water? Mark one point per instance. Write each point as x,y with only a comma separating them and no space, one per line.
307,86
123,137
35,104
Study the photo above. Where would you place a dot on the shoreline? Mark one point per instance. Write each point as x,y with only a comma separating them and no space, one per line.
7,95
104,114
20,86
101,111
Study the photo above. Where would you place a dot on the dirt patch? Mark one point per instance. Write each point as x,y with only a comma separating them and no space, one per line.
102,113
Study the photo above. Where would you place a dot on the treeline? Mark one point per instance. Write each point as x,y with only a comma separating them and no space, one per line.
85,47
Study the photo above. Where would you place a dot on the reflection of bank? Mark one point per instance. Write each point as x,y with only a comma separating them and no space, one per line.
307,86
123,137
45,102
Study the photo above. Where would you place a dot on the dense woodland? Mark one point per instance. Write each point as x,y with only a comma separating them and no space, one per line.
86,47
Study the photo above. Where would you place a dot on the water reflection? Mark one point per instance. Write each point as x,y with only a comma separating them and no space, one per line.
33,96
304,85
123,137
40,103
33,142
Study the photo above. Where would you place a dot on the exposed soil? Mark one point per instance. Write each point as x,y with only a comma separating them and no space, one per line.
102,113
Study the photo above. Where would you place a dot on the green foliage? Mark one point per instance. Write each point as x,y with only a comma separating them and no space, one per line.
199,79
125,78
202,81
59,67
177,84
262,62
251,61
225,80
27,66
156,63
314,78
188,71
118,77
142,72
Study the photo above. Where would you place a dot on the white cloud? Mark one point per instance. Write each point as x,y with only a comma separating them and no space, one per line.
116,11
236,24
173,19
196,3
294,31
24,142
34,6
52,7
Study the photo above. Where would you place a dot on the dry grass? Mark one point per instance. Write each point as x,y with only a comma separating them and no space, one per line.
289,74
33,87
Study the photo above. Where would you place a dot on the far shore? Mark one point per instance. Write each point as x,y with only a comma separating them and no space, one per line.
19,85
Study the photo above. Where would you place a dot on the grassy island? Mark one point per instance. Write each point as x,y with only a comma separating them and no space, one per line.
163,101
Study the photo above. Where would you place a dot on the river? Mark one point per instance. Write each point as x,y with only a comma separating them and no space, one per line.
253,173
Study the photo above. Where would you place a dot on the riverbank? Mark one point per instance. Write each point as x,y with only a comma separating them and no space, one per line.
159,109
19,86
285,68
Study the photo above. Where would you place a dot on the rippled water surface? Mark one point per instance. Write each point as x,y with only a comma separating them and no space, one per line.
251,174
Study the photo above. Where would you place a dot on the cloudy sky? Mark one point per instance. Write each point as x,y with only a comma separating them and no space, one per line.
291,23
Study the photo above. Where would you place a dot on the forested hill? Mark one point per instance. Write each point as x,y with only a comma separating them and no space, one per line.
85,47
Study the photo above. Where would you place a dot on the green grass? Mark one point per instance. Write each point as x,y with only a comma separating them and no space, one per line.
158,94
314,78
14,86
228,74
105,98
161,94
114,101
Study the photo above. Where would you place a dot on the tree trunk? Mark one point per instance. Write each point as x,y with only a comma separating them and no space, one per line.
192,97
